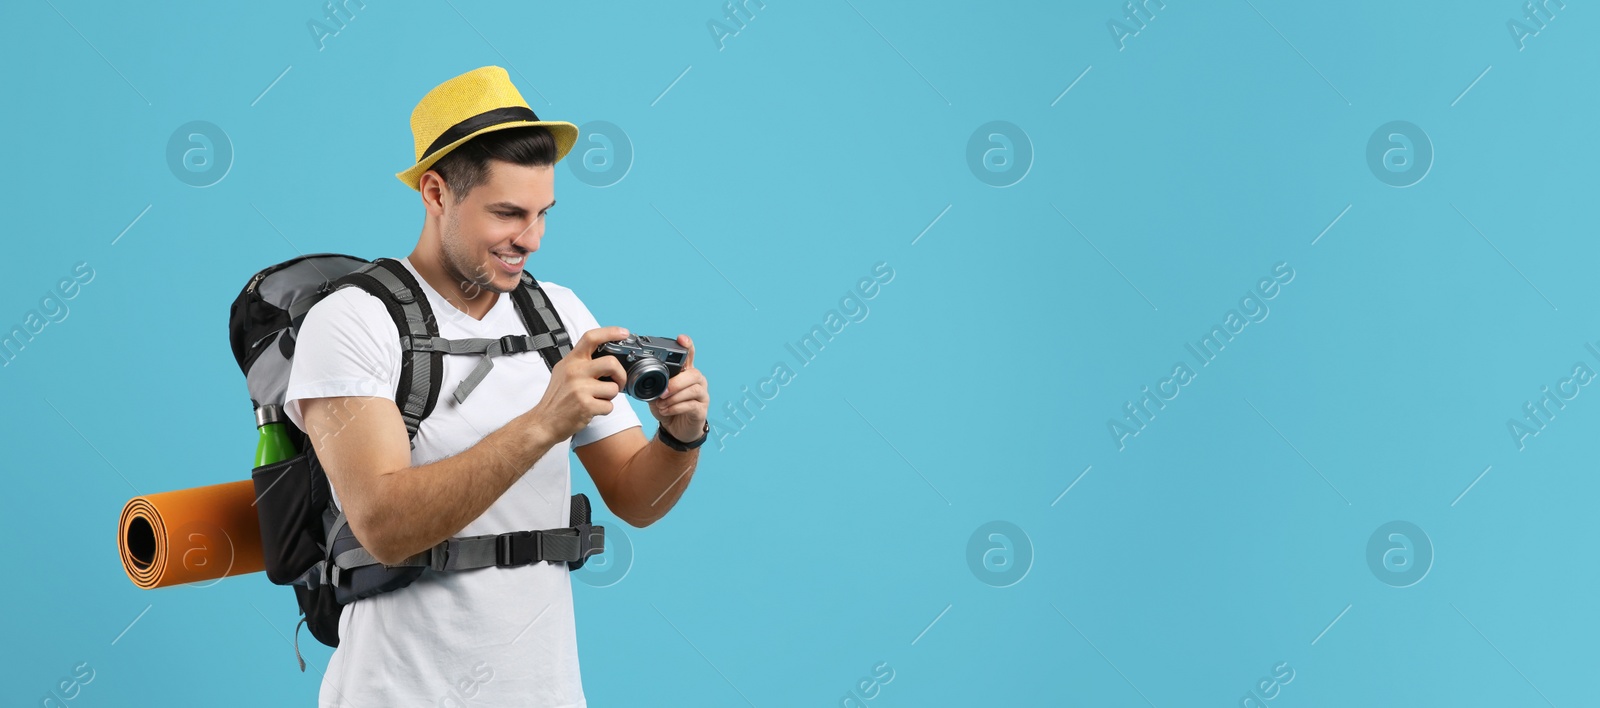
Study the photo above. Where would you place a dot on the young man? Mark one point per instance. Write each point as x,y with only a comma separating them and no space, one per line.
496,462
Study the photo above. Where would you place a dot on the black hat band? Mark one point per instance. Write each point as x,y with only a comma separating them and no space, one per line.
479,122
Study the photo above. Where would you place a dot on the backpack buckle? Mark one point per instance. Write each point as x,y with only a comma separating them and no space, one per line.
518,548
515,344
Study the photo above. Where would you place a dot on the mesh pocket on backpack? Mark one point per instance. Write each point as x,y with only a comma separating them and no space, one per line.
291,496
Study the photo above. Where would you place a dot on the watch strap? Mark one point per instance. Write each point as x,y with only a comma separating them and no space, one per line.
679,445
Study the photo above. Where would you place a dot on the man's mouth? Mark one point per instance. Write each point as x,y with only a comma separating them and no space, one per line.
512,262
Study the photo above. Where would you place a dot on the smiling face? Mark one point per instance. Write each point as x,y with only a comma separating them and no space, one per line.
486,238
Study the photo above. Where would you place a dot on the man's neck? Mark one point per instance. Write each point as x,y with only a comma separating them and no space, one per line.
453,289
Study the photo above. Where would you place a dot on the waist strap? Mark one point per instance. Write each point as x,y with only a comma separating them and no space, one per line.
505,550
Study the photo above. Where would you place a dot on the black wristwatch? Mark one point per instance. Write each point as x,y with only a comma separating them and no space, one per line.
679,445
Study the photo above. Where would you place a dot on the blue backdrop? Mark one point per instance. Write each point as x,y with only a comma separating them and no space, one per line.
1233,354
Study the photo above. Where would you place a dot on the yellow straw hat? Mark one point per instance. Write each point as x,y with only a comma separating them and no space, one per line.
469,105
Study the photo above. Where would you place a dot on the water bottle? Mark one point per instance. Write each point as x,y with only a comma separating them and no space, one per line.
274,445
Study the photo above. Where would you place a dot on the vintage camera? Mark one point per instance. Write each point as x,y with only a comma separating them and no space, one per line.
649,361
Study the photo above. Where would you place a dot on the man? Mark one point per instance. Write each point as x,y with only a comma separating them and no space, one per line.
496,462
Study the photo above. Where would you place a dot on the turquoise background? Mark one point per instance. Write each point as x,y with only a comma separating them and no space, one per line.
840,528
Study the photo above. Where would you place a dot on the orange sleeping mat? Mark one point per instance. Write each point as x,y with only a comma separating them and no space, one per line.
190,535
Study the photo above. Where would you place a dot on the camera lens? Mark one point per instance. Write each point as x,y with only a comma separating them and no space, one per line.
651,386
647,379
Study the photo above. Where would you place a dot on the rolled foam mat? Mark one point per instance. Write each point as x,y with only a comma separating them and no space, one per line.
190,535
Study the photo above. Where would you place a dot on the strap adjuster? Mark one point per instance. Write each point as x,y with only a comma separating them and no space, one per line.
515,344
518,548
591,542
439,556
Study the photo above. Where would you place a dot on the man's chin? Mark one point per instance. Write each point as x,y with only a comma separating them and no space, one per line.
499,284
494,276
504,282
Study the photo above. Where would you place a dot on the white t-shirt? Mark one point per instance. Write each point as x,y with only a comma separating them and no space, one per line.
487,637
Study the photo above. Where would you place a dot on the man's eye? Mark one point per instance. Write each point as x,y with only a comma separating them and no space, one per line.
505,214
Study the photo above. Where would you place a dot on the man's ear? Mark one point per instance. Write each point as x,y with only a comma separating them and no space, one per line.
434,192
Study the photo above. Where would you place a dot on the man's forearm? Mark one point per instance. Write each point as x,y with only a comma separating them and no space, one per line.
653,481
417,507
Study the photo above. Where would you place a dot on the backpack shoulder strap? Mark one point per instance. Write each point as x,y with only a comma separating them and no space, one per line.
545,335
421,368
539,316
423,350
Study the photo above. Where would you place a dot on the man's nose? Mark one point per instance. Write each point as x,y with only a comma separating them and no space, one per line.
529,239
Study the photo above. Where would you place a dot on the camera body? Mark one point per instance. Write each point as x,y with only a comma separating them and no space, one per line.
649,362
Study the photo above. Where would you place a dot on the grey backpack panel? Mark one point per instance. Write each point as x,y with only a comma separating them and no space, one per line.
269,310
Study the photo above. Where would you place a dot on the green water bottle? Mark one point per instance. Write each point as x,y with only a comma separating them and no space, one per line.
274,445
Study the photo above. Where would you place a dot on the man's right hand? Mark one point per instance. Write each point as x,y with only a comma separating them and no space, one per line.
576,394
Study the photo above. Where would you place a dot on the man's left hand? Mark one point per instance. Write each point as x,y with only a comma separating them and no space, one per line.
683,407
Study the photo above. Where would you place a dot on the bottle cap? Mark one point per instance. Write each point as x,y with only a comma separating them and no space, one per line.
268,414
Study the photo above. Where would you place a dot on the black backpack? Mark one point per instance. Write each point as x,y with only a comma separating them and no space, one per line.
296,512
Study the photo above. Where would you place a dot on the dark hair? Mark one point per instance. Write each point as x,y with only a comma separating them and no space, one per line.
467,166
